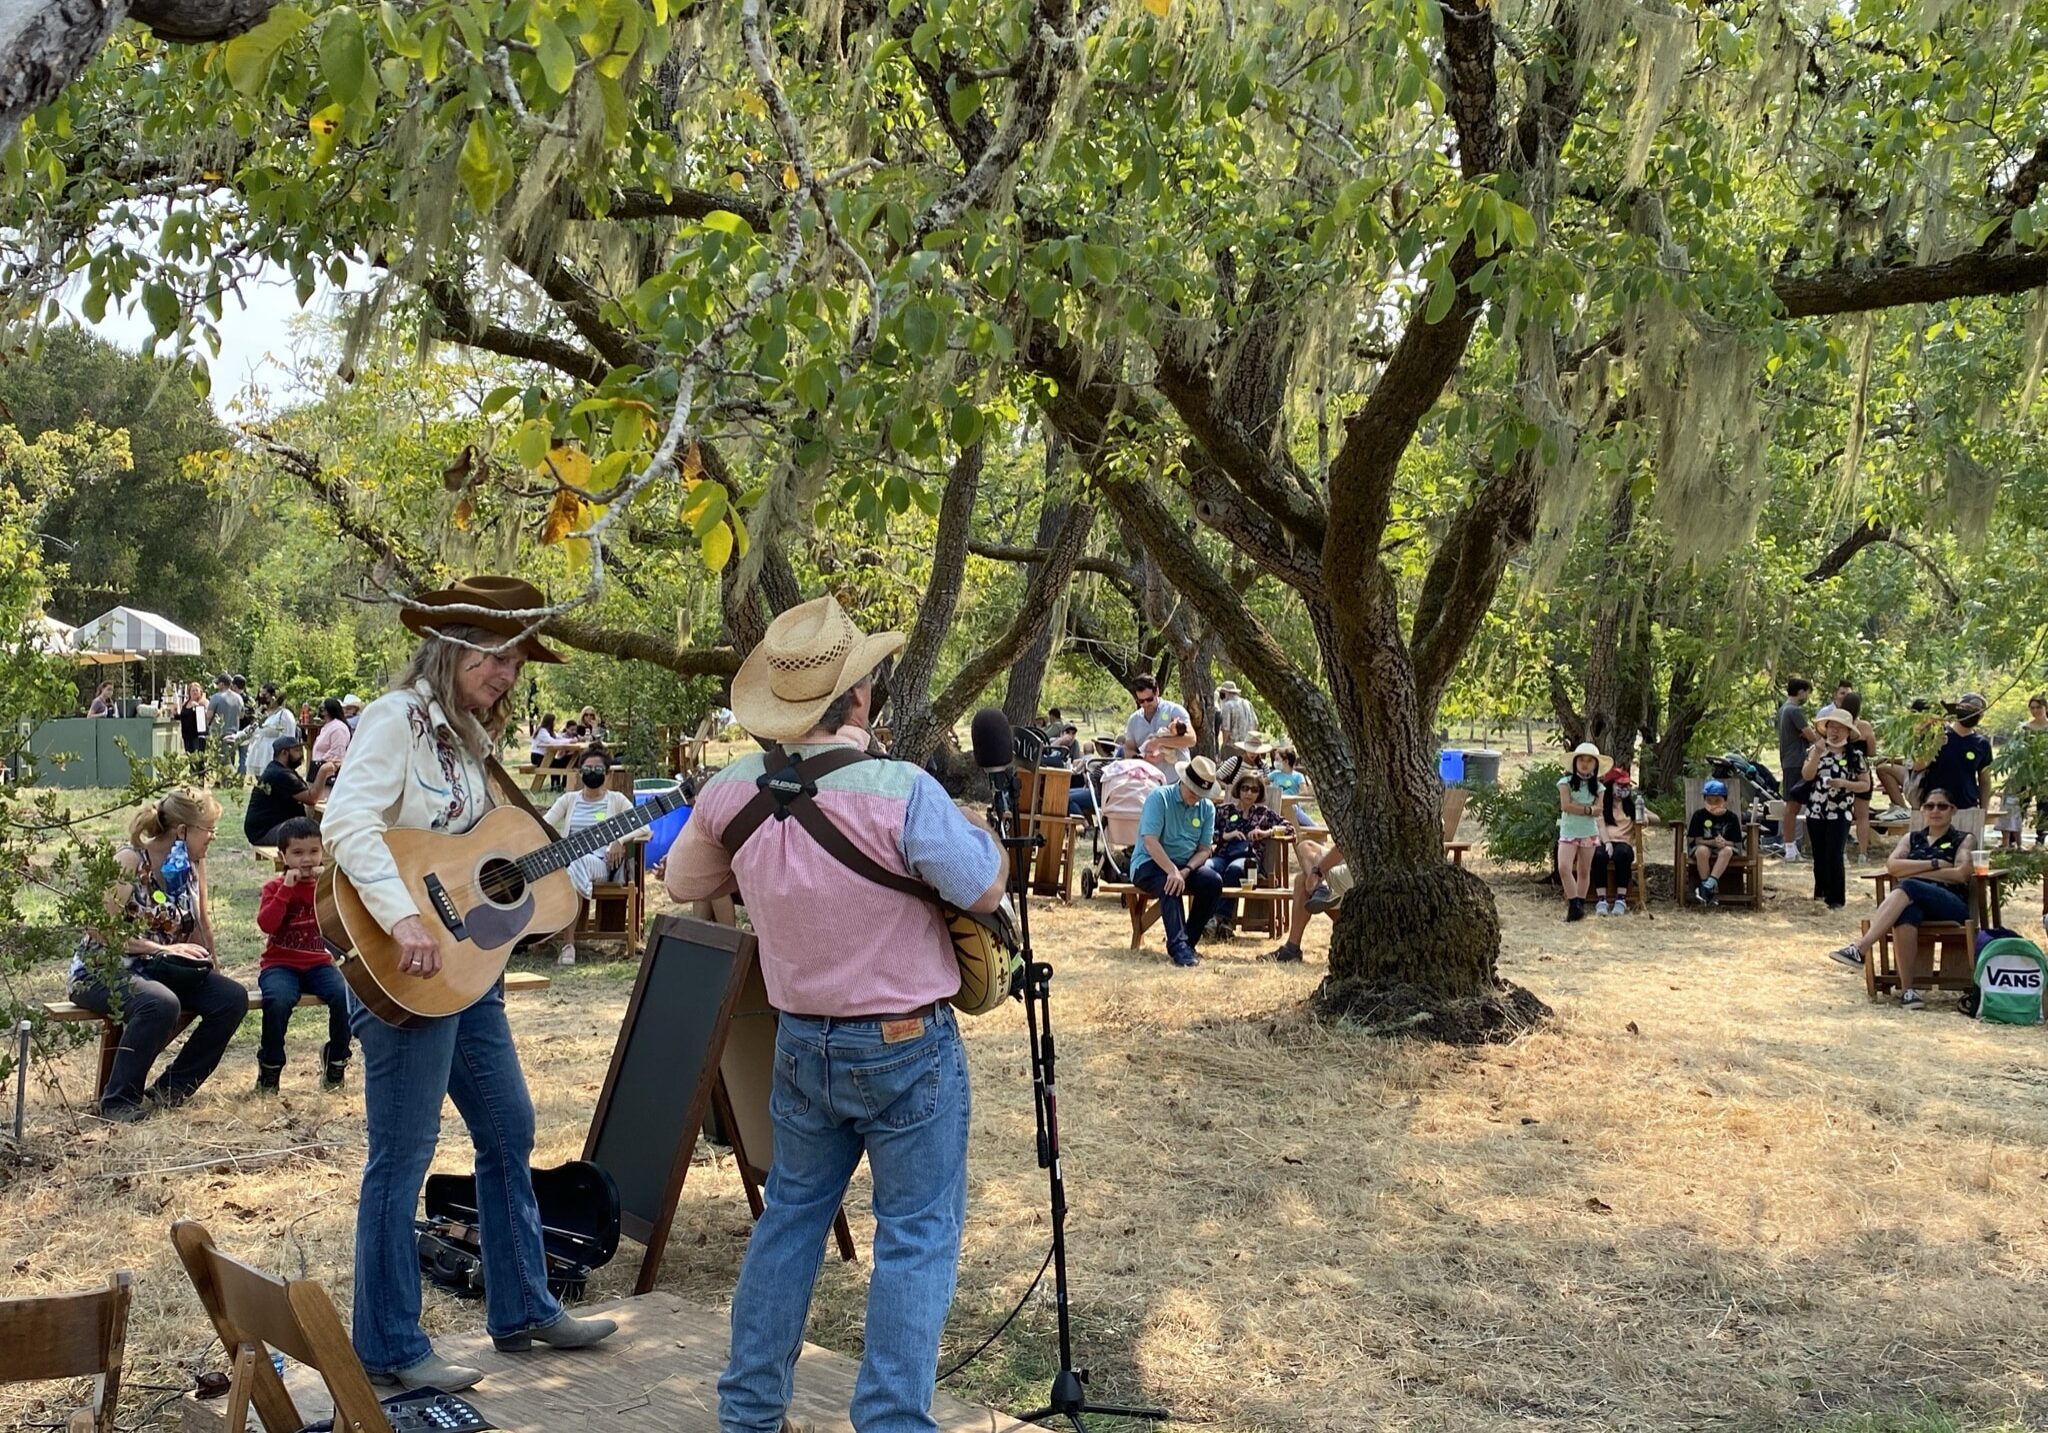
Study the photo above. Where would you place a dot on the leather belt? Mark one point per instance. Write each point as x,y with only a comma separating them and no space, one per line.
920,1013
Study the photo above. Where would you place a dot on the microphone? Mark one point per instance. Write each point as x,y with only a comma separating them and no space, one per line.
992,748
991,740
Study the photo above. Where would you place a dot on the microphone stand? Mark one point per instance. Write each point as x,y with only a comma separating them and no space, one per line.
1069,1397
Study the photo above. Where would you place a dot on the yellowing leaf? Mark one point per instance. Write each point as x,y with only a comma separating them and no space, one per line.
1159,7
737,181
325,127
464,511
790,178
753,104
693,460
571,465
564,517
717,547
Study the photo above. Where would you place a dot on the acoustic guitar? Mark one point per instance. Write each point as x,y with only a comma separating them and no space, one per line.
480,894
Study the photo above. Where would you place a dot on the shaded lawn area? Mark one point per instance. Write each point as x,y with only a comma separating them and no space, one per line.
1718,1191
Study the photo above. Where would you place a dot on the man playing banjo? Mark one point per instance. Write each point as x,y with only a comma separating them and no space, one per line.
867,1054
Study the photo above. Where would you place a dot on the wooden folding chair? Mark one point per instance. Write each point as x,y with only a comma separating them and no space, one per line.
617,909
70,1336
254,1313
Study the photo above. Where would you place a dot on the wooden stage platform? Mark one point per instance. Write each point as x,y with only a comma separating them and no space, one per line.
657,1374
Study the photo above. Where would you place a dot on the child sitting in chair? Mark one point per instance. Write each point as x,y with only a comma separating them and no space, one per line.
589,805
296,960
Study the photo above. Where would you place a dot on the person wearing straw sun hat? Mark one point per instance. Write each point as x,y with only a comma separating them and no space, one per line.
1176,838
421,759
868,1054
1835,774
1578,827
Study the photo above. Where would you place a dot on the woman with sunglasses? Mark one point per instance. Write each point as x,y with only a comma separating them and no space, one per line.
1242,828
1932,868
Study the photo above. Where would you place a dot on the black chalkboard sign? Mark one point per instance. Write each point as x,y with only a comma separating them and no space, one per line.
664,1071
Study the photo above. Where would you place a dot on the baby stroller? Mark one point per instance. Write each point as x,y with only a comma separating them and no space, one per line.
1763,785
1120,787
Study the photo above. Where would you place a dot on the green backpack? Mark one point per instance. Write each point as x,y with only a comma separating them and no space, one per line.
2011,972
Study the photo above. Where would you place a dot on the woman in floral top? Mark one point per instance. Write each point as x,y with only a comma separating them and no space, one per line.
1836,767
1240,827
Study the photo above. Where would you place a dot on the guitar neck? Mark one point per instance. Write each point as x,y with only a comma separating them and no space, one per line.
557,855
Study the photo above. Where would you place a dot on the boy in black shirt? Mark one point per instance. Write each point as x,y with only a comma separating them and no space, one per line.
279,794
1713,836
1962,767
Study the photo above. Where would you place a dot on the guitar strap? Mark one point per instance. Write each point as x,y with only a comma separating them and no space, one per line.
788,789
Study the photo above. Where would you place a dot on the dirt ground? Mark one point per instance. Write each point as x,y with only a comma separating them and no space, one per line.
1719,1190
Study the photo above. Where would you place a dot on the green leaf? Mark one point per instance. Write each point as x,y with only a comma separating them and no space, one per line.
162,307
920,328
1523,225
1441,296
485,167
967,425
344,57
717,547
707,509
1240,97
724,221
535,436
249,58
964,102
557,60
498,397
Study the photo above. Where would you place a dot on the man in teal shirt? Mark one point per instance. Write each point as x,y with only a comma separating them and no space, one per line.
1176,837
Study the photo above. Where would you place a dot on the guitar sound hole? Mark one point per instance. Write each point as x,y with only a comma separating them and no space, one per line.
499,882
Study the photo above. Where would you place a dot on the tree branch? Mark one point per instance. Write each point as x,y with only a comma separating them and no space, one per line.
462,324
629,204
1859,290
1465,573
1866,534
1003,552
1040,597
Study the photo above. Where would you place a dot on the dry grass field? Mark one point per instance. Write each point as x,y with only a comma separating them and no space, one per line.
1719,1190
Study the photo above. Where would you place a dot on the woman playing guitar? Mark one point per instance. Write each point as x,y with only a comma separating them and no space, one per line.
418,759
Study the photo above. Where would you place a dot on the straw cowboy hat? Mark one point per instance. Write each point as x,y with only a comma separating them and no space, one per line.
812,654
1228,689
1836,715
505,594
1256,744
1586,748
1198,774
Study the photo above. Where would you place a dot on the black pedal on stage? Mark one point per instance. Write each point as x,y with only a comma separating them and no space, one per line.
422,1410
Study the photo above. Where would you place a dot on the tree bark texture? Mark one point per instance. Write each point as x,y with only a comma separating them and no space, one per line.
46,44
914,726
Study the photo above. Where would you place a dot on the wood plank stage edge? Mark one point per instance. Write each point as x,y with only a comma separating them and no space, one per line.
657,1374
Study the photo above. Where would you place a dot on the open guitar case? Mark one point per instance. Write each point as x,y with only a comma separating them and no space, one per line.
579,1228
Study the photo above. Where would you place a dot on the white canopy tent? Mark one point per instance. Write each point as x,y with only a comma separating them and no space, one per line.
131,632
60,639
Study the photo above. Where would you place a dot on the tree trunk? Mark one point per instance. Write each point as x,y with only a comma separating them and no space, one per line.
914,727
1027,675
1685,708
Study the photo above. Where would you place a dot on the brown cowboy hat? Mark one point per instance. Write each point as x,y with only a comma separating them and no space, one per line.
811,654
505,594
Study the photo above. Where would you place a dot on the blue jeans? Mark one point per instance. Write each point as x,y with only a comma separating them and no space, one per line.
468,1058
839,1090
282,986
1187,915
150,1014
1933,901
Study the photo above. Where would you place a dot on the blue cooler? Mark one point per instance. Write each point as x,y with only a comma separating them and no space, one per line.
662,834
1450,765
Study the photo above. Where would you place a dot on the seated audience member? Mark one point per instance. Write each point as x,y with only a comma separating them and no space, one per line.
280,794
1176,837
1614,858
1319,886
579,810
1287,777
1712,837
351,709
156,962
330,743
295,957
593,729
1932,868
1243,828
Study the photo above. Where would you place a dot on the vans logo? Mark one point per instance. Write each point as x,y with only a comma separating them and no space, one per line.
2024,979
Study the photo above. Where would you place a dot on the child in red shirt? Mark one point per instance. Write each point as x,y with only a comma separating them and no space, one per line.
296,960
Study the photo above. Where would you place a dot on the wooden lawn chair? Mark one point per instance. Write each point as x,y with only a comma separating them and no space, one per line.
53,1336
1743,882
255,1312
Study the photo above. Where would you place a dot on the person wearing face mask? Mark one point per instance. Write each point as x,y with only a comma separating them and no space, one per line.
1614,858
1962,767
1837,774
578,810
280,794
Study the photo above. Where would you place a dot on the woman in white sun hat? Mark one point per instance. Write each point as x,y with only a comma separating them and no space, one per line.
1578,827
1837,772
